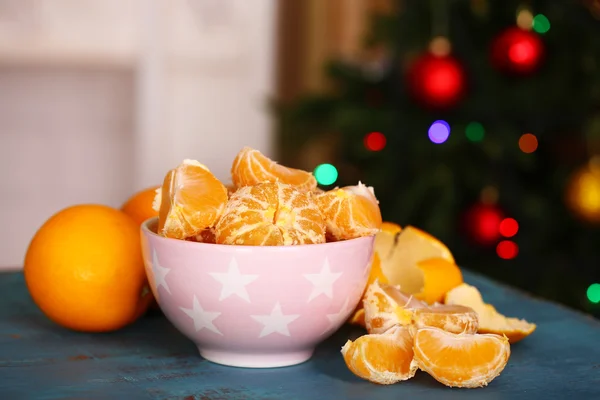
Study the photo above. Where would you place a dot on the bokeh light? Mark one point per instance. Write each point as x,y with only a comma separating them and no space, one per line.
439,131
528,143
593,293
524,19
475,132
508,227
541,24
375,141
326,174
507,249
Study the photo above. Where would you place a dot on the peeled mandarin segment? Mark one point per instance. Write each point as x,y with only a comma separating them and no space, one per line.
251,167
439,276
350,212
384,358
455,319
386,306
192,199
460,360
205,236
358,317
270,214
412,246
490,320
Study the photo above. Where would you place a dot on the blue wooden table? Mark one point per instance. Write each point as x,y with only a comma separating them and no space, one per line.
151,360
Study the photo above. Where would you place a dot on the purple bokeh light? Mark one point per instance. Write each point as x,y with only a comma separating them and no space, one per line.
439,131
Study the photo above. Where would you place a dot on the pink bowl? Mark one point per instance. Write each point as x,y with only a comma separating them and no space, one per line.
256,307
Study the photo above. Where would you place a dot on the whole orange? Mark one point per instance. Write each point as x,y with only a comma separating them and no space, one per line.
139,206
84,269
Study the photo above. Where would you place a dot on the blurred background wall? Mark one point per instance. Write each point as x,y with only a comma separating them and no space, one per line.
100,98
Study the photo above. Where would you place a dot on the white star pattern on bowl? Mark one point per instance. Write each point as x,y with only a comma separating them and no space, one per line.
233,282
276,321
323,281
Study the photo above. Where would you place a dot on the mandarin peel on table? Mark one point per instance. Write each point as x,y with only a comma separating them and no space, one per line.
350,212
460,360
192,199
270,214
419,263
381,358
251,167
490,320
386,306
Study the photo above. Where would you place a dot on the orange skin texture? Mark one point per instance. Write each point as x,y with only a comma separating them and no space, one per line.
139,206
84,269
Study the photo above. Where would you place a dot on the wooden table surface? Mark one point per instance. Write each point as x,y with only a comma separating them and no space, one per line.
152,360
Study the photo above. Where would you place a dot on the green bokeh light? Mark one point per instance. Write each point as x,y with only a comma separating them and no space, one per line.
475,132
593,293
326,174
541,24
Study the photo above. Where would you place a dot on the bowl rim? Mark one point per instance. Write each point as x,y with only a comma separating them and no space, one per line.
349,242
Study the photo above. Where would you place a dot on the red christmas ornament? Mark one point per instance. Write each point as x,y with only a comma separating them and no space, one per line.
437,81
517,51
482,223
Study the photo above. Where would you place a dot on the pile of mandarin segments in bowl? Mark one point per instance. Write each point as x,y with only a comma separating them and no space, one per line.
418,312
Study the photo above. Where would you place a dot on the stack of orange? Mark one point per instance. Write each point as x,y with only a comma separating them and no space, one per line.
268,205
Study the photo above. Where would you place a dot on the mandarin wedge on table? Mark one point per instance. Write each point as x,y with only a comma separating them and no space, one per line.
384,242
192,199
140,205
460,360
490,320
271,214
381,358
84,269
386,306
420,264
250,167
350,212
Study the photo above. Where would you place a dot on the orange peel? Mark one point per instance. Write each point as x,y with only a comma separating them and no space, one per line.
490,320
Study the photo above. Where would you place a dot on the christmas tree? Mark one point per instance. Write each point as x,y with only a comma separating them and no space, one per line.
479,122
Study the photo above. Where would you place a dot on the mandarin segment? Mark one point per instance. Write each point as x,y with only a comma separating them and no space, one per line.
270,214
455,319
386,306
350,212
381,358
490,320
460,360
192,199
251,167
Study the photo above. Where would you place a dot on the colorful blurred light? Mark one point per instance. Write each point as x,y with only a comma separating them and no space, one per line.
528,143
375,141
593,293
541,24
508,227
439,131
507,249
475,132
326,174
